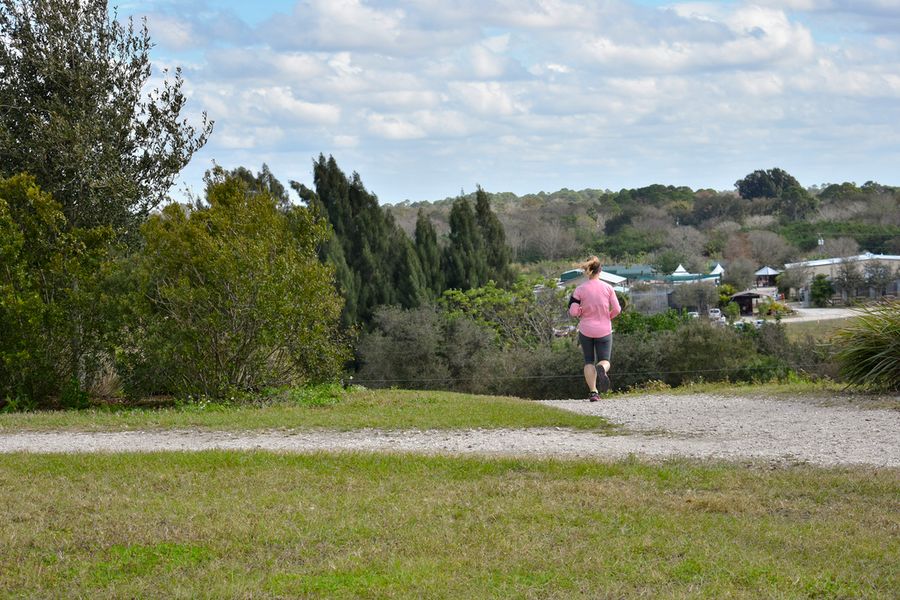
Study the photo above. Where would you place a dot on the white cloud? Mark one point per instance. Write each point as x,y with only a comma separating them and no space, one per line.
491,98
568,88
393,128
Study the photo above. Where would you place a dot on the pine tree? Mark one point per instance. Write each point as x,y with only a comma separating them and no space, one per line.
465,264
497,252
429,253
368,245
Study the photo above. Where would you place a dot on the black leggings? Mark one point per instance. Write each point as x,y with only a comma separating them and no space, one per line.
595,349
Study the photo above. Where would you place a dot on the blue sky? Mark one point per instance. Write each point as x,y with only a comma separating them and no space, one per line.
425,98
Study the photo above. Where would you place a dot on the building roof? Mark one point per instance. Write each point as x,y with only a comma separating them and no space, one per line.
822,262
684,277
631,271
572,276
767,271
717,270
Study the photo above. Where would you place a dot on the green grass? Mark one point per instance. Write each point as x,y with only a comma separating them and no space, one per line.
263,525
300,409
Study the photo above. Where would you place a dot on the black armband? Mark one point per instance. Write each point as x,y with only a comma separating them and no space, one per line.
573,300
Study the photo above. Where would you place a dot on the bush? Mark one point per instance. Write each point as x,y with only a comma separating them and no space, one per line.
869,354
630,321
51,327
230,297
821,291
698,351
424,348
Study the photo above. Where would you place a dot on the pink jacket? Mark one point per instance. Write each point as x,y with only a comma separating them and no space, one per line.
597,306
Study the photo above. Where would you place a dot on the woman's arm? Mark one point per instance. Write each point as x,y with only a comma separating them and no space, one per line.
575,304
614,308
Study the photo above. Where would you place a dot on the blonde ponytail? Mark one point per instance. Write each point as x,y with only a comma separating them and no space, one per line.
591,266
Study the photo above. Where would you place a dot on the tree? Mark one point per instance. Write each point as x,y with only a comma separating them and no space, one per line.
732,312
264,182
429,253
464,260
51,325
793,278
879,276
230,297
765,184
795,203
848,278
376,262
696,295
769,248
821,291
496,250
739,273
75,115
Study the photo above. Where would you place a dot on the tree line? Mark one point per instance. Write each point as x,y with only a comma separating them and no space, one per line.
769,218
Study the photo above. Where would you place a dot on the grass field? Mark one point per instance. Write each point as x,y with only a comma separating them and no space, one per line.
302,409
261,525
818,330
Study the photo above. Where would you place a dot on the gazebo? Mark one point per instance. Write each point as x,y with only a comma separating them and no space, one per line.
765,277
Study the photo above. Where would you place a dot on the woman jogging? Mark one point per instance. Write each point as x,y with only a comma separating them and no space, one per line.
595,304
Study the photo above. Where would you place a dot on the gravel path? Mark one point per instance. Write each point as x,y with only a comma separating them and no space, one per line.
657,426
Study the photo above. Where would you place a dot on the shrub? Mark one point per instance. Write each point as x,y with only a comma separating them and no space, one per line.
51,328
630,321
869,354
405,349
700,351
230,296
821,291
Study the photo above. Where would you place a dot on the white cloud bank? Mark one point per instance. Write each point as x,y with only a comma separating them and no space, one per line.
424,97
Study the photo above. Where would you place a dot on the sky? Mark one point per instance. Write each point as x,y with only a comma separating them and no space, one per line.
428,98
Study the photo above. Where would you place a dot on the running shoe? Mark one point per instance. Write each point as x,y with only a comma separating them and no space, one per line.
603,381
594,396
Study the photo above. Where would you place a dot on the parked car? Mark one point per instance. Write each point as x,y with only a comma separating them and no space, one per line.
714,313
694,314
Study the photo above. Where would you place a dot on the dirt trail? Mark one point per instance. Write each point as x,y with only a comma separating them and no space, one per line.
656,426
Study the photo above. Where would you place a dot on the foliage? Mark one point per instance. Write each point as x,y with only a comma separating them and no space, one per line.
771,183
496,251
374,260
230,297
739,273
770,307
791,278
847,279
873,237
630,321
429,253
422,348
726,291
51,325
869,348
731,311
464,259
522,316
821,290
700,296
878,276
75,114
